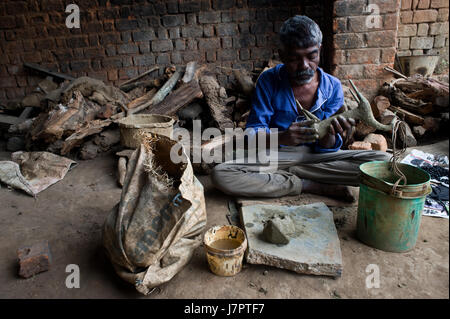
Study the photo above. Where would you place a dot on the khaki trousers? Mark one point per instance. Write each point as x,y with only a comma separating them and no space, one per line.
284,173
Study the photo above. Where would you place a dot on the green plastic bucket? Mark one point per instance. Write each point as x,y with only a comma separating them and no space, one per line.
390,220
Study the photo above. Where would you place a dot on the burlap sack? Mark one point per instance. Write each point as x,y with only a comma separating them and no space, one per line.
152,233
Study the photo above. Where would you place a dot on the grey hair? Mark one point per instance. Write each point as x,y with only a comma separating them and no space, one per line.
300,31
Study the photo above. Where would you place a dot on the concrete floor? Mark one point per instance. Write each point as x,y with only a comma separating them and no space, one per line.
70,215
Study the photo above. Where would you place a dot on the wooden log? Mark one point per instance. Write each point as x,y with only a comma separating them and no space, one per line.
76,138
9,119
25,113
362,130
140,76
416,106
409,117
160,95
189,73
41,69
245,82
379,104
432,124
148,83
107,139
179,98
419,131
400,99
215,96
122,170
141,100
387,117
89,151
51,126
21,127
407,138
418,83
33,100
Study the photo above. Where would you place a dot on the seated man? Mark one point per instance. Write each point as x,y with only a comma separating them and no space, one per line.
304,164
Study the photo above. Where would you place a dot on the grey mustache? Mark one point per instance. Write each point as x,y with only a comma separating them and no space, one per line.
306,73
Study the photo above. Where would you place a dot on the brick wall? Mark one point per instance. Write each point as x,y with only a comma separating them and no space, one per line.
119,39
364,47
423,29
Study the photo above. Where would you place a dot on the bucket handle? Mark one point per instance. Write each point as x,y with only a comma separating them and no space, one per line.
387,189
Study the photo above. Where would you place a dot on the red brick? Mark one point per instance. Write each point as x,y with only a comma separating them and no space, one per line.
364,146
439,3
368,87
348,41
390,21
425,16
363,56
375,71
406,4
388,55
359,24
28,45
7,22
381,38
344,8
32,57
406,16
34,259
47,56
443,15
377,141
7,82
211,56
127,73
14,93
385,6
340,25
21,81
209,44
13,46
45,44
423,4
339,57
346,72
100,75
407,30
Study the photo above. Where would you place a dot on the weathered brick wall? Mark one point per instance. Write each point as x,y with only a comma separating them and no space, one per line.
423,29
119,39
363,46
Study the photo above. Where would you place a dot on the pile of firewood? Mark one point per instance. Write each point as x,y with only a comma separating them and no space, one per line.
78,116
422,103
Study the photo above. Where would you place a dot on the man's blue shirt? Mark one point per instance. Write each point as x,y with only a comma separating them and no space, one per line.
273,103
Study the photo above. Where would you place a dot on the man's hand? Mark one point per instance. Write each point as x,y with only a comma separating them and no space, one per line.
339,125
298,133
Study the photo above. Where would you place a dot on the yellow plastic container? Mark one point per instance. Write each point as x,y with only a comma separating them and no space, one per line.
225,247
132,126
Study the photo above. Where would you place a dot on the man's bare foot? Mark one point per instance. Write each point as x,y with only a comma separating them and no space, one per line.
335,191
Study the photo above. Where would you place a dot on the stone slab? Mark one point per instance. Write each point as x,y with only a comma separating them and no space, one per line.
314,249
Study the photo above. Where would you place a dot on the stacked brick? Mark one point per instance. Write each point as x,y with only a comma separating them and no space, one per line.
365,36
119,39
423,28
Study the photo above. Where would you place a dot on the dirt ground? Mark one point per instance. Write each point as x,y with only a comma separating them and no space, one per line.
70,215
